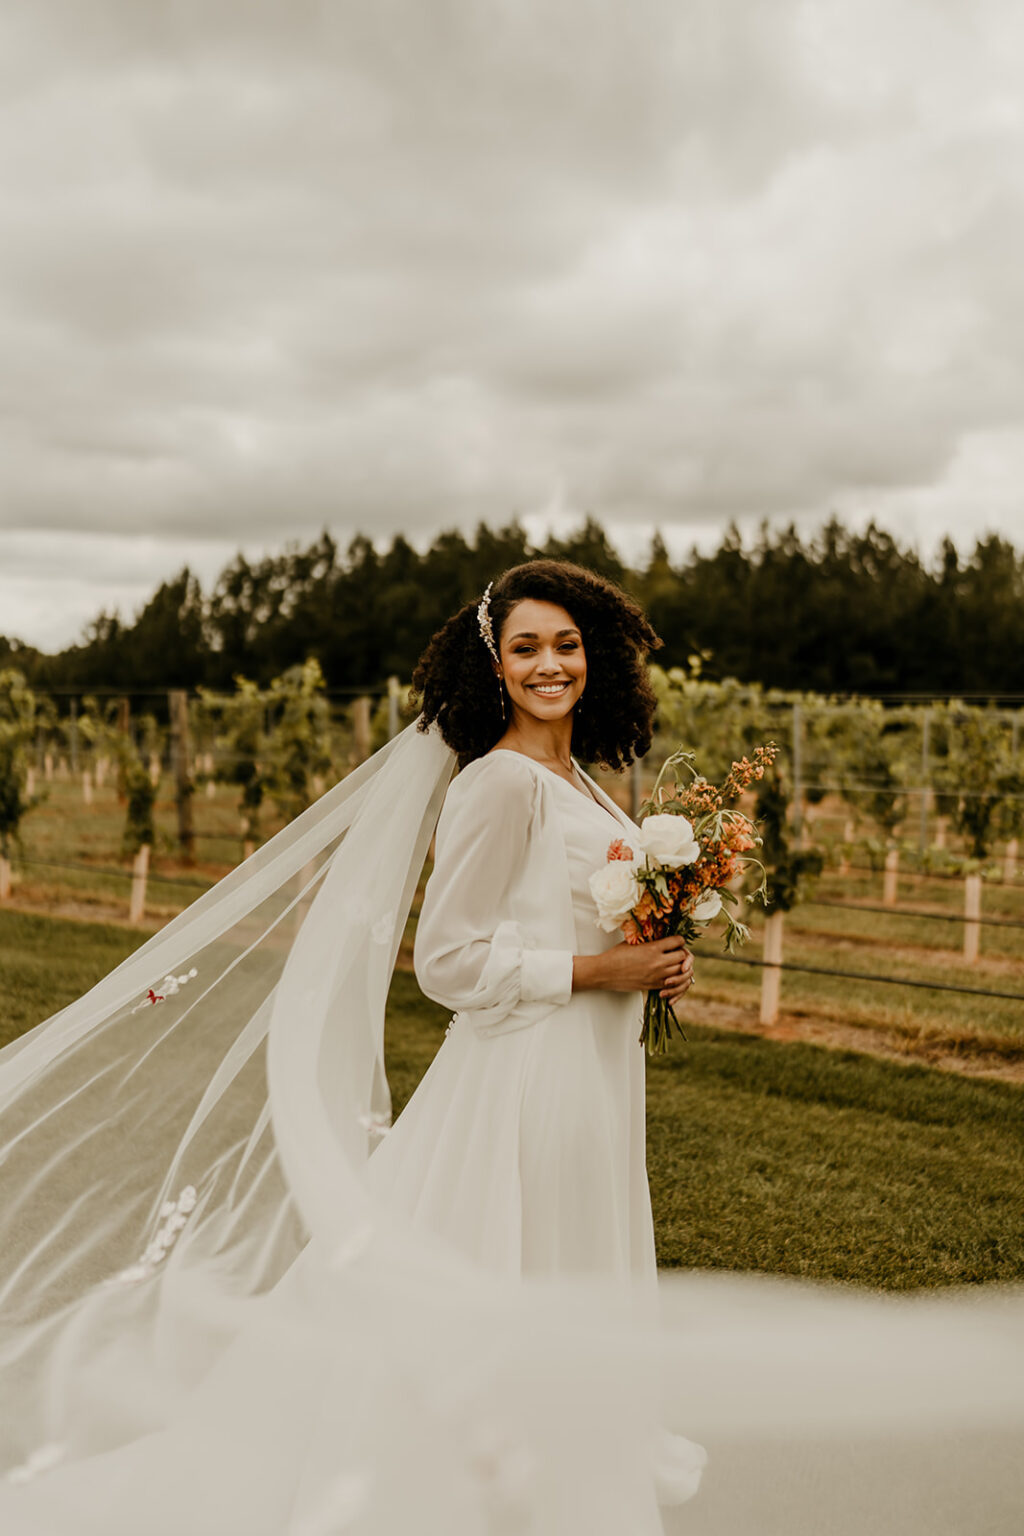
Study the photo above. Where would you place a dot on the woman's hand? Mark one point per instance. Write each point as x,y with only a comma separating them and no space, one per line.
664,966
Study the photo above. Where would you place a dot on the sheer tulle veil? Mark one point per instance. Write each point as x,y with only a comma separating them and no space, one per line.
209,1326
207,1107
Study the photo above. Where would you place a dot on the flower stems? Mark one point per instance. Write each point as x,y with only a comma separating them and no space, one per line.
659,1019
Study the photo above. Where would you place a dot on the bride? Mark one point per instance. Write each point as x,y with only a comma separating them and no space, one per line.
525,1144
235,1303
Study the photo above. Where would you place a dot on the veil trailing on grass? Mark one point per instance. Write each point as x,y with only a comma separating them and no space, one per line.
207,1325
208,1106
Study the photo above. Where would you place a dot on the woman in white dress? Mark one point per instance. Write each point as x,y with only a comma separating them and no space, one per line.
524,1145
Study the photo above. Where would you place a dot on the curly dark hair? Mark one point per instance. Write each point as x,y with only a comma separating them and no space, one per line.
455,677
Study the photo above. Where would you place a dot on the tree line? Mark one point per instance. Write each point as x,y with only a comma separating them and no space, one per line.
840,612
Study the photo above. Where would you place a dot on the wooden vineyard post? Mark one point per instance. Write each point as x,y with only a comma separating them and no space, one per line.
849,835
73,736
5,878
972,914
940,831
771,976
87,788
926,731
394,690
798,778
1010,861
183,786
140,872
30,781
361,728
892,875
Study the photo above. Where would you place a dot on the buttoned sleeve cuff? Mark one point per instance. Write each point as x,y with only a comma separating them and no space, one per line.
546,976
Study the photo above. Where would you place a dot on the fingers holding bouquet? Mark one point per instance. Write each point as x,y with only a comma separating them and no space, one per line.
679,979
663,965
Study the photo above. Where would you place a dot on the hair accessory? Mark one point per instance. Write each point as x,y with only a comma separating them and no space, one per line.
483,618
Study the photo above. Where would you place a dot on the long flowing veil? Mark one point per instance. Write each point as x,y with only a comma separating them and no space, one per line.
207,1325
204,1109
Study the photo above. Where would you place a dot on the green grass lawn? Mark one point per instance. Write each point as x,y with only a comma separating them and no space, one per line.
45,963
762,1155
798,1160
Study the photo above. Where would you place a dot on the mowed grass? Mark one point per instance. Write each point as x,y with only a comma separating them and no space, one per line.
762,1155
798,1160
46,962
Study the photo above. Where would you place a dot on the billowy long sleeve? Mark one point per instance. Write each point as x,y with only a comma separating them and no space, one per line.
475,952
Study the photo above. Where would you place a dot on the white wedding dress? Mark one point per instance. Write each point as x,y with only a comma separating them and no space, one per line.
524,1145
230,1307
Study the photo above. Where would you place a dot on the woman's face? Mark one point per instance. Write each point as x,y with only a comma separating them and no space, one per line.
542,659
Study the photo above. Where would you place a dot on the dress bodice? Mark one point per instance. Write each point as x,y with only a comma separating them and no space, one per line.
588,826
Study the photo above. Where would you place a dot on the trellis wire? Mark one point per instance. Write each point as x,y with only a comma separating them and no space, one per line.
897,911
922,874
891,981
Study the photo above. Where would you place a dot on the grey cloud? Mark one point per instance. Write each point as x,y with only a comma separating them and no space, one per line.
266,268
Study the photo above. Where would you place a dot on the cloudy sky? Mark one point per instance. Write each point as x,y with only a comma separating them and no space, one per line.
399,265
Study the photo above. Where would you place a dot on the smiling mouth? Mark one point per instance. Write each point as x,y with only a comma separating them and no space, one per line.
548,690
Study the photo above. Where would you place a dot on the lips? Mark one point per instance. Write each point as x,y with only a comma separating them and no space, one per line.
549,690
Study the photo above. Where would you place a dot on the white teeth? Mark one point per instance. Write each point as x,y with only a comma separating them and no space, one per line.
551,688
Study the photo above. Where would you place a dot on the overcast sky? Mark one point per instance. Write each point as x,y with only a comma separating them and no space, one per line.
401,265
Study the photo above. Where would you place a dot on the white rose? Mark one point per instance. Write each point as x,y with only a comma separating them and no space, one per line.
669,841
616,891
708,907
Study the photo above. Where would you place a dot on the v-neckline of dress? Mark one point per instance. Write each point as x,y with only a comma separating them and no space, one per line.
586,793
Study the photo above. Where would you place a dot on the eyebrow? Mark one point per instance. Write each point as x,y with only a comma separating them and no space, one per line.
528,634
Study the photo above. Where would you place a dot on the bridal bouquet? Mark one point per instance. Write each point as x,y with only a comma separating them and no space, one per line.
693,844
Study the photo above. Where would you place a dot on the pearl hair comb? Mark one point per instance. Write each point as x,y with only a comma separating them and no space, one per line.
483,618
